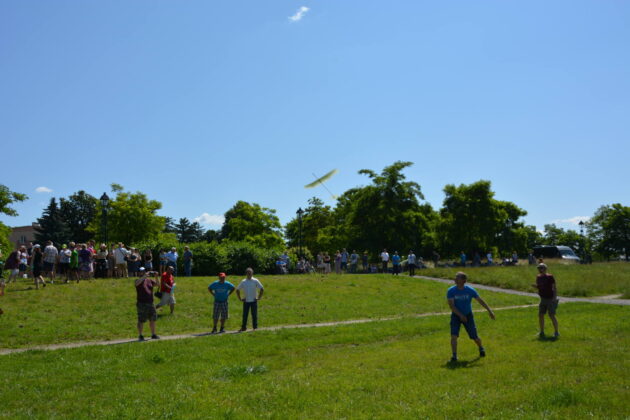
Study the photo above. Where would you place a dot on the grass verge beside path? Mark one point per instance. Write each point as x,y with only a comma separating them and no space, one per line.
573,280
390,369
105,309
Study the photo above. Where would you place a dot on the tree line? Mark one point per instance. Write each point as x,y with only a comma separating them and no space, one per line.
389,212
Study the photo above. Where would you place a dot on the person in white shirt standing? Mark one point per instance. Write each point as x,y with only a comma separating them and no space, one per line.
50,258
385,260
411,263
120,255
250,287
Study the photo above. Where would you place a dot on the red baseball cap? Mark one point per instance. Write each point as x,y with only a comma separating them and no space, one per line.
221,274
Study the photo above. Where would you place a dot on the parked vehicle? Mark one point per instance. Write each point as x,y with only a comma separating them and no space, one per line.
553,251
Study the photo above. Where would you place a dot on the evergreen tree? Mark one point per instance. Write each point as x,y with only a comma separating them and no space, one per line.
52,227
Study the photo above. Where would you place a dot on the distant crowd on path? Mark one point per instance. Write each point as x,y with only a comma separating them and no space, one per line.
75,262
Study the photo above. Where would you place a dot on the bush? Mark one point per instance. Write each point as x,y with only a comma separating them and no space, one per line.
210,258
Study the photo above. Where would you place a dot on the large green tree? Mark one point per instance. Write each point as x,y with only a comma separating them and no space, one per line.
254,224
473,220
52,226
77,211
131,218
317,220
384,214
609,229
7,199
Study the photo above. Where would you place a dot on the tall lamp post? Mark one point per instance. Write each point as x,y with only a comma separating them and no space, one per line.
300,212
582,245
104,207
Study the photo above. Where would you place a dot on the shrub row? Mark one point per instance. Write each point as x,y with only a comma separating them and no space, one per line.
210,258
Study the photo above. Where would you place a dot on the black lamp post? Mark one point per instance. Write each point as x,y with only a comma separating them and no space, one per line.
582,245
104,207
300,212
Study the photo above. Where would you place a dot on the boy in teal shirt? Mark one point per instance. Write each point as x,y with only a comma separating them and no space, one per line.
221,290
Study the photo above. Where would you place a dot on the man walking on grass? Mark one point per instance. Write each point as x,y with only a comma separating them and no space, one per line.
460,301
221,290
167,286
546,285
144,302
50,258
250,287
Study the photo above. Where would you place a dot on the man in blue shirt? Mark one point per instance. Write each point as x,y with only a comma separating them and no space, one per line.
396,263
171,259
221,290
460,300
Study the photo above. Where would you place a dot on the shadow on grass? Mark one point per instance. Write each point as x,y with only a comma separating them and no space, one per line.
547,339
461,364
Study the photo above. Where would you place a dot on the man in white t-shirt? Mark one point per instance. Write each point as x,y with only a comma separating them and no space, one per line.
384,260
50,258
250,287
120,255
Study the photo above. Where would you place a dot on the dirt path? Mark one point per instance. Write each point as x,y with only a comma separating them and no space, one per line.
609,300
274,328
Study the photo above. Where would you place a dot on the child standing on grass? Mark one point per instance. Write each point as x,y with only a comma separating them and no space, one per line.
546,285
460,301
221,290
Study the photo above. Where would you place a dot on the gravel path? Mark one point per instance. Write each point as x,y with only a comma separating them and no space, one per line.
274,328
608,300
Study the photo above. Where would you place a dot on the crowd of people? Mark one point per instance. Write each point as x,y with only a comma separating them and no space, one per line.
75,262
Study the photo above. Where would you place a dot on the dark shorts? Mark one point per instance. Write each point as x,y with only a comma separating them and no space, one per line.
548,305
37,270
62,268
146,312
49,266
220,310
470,326
23,267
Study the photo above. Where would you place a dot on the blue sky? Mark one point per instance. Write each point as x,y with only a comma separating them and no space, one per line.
200,104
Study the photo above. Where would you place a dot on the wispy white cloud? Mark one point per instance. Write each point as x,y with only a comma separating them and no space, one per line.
299,14
43,190
573,220
210,219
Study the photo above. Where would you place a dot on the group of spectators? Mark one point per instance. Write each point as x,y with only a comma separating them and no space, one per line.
75,262
220,289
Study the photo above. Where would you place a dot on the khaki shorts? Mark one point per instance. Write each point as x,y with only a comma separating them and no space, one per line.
547,305
167,299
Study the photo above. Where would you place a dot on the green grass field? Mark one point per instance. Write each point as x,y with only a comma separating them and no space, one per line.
380,369
105,309
383,369
573,279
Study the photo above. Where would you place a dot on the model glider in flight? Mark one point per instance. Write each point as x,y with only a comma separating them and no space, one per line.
321,180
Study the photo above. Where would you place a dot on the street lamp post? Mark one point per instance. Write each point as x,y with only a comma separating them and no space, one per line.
299,213
582,244
104,207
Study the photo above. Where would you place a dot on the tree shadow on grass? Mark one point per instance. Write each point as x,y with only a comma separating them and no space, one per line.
461,364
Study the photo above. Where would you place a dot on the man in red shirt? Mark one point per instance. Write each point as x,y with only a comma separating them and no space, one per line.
167,288
546,285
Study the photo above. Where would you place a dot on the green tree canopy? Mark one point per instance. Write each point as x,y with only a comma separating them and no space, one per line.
385,214
316,219
52,226
473,220
188,232
254,224
77,211
131,218
609,229
7,198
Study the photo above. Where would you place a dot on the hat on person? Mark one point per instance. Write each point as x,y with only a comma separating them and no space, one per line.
36,246
142,268
542,265
222,275
64,246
